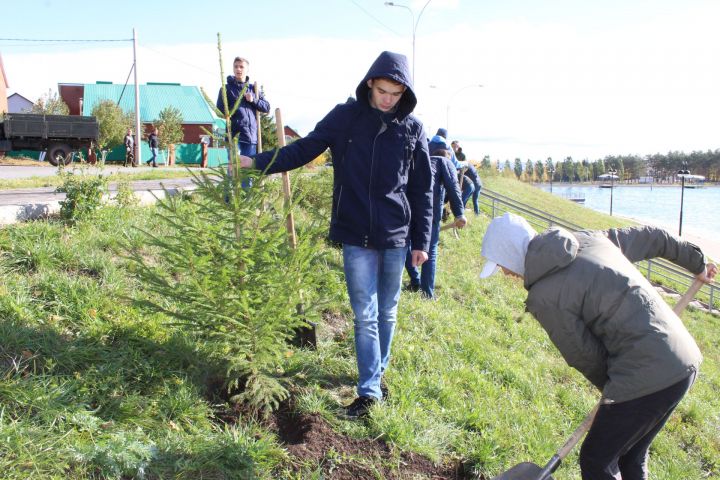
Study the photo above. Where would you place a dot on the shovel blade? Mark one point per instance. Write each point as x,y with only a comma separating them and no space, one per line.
523,471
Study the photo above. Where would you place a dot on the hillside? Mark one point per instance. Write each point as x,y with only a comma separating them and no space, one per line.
94,386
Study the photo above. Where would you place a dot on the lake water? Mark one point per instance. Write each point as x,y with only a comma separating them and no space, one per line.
656,205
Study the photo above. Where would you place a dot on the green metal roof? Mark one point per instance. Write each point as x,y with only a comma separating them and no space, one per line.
154,97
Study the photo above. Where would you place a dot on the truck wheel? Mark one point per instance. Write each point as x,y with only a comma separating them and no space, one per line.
59,153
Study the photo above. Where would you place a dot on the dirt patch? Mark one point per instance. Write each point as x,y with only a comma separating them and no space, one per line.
313,443
335,326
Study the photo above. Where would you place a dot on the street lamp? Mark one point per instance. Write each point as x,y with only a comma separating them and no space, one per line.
612,173
551,172
447,111
414,28
682,174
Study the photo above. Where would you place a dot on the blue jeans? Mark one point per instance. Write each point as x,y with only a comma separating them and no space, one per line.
373,279
153,159
425,275
468,189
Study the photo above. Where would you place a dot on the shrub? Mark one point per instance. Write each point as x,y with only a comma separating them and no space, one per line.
233,279
83,194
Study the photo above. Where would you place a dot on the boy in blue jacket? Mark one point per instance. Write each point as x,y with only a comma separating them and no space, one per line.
382,203
444,179
243,122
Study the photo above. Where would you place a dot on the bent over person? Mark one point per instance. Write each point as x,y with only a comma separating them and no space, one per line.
382,203
610,324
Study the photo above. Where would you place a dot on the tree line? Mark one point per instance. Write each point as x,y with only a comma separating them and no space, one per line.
663,168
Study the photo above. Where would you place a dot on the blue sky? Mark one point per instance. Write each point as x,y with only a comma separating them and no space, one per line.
580,78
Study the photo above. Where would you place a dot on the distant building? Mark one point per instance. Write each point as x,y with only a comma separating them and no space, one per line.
18,104
198,117
290,134
154,98
3,88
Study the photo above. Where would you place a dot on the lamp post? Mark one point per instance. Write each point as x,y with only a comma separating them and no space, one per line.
414,28
551,172
682,174
612,173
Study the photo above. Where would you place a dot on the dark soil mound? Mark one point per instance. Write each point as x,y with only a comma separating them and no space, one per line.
311,441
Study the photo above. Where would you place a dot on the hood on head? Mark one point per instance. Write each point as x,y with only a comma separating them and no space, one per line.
437,142
505,244
549,252
393,66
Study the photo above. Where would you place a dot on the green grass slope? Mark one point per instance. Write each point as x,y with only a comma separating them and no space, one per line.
92,388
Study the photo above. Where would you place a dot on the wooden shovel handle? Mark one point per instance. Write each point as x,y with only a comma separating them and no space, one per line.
290,220
687,297
578,433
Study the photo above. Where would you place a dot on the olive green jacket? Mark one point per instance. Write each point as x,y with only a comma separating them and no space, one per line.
603,315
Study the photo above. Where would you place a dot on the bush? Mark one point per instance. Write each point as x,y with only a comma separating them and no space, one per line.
83,195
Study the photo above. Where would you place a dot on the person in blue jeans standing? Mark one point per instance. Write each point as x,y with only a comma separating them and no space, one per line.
243,120
153,143
382,203
444,178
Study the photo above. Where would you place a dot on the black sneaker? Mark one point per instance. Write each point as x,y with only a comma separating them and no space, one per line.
359,408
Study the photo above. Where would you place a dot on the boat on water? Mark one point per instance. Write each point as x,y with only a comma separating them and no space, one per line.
608,180
692,181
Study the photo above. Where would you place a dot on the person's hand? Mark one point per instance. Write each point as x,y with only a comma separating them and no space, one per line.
418,257
246,162
249,96
460,222
708,275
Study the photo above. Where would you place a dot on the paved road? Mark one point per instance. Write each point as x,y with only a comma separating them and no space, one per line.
22,204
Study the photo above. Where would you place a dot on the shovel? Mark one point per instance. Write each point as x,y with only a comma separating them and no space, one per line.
531,471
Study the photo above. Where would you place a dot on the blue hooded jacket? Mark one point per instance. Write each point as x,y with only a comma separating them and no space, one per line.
382,192
243,123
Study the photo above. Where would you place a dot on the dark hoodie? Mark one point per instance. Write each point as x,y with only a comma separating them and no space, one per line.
382,194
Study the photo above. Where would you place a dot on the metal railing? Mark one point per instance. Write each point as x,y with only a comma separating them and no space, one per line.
658,271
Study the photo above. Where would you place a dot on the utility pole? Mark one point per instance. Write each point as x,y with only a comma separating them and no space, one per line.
138,133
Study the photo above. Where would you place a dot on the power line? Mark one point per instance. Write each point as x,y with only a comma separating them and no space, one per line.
63,40
177,60
371,16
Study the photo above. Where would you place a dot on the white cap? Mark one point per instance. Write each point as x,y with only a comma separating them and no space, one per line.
505,244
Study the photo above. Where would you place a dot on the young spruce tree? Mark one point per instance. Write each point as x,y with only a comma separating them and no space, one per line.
228,275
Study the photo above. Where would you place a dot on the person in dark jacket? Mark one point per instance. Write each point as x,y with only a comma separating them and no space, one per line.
610,324
382,203
129,142
444,179
153,143
472,175
243,121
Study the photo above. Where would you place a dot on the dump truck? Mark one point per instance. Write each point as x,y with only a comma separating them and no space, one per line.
59,135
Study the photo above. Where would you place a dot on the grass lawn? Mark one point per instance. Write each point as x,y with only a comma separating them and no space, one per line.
91,386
